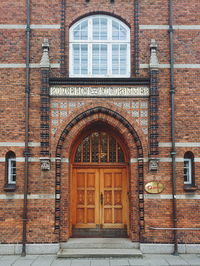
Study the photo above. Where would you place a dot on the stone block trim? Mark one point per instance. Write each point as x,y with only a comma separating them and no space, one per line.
44,110
153,119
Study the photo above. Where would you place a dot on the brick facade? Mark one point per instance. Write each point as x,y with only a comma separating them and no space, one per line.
55,123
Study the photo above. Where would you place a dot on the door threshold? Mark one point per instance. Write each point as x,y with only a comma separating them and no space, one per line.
99,233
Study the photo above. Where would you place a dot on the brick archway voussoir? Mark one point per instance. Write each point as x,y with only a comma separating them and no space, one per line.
119,128
111,111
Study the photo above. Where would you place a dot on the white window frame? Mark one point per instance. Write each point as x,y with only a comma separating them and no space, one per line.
188,165
109,42
10,171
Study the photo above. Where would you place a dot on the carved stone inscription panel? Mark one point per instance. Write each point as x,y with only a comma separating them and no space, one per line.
100,91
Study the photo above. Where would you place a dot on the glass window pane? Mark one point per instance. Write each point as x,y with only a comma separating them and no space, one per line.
78,154
76,58
112,150
187,171
120,154
81,31
80,59
84,59
104,147
86,150
103,33
99,29
115,58
123,59
99,59
95,142
76,35
122,33
119,59
115,30
118,32
13,170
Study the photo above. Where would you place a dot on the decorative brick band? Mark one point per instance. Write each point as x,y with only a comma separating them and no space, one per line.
32,26
166,27
153,106
177,66
62,38
136,36
44,110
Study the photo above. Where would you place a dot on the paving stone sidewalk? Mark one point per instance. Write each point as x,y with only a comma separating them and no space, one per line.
147,260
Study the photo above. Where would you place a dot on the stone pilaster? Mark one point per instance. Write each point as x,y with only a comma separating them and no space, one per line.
153,106
44,106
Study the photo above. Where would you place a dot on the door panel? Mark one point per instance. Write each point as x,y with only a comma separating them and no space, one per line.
113,187
99,198
85,198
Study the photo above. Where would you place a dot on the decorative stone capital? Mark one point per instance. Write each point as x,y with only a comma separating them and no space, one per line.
153,164
45,164
44,63
154,64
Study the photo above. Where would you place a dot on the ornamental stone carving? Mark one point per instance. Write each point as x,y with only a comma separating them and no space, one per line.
153,164
45,164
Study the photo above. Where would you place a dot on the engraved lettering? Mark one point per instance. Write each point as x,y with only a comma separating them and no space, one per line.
99,91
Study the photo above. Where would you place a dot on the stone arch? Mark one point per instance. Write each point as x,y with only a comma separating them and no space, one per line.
98,113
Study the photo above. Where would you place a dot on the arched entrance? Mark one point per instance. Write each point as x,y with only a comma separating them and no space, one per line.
99,184
68,141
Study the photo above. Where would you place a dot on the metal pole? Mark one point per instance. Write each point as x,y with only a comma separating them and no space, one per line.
26,151
173,151
177,228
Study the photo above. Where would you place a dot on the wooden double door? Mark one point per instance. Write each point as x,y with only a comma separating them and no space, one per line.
99,197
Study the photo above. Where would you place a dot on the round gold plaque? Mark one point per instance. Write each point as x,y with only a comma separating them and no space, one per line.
154,187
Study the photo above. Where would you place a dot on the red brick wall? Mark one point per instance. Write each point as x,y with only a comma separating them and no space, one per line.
41,212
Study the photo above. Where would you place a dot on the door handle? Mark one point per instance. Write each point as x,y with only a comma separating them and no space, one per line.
101,198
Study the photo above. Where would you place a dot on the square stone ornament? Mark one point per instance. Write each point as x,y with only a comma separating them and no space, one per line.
45,164
153,164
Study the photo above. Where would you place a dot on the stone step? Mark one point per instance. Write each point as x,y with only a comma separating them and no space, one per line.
99,243
98,253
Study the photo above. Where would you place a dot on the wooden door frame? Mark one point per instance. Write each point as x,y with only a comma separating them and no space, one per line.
99,166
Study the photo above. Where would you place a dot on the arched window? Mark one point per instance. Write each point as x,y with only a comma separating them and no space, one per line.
189,168
99,147
99,47
10,168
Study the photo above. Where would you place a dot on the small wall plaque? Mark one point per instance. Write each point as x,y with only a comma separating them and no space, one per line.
153,164
154,187
45,164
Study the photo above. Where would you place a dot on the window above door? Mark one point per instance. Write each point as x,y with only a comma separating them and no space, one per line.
99,47
99,147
